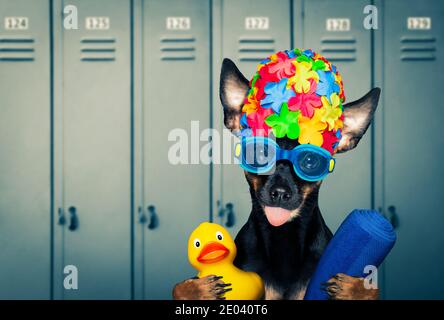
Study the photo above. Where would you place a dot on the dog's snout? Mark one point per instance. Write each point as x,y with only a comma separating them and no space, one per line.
280,189
280,194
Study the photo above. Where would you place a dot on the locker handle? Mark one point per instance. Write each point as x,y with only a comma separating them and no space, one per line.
61,215
220,209
154,219
229,209
141,215
393,217
73,219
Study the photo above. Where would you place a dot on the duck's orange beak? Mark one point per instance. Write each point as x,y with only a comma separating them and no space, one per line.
212,252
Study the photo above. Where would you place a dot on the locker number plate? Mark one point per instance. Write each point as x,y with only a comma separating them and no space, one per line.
257,23
178,23
16,23
337,24
419,23
97,23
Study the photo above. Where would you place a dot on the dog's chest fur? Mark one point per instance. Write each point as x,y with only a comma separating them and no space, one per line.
277,294
285,257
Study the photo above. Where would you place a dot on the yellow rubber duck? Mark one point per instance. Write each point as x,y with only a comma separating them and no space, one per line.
211,250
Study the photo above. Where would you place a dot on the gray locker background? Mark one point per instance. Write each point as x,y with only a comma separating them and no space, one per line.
173,72
92,152
409,66
25,223
85,117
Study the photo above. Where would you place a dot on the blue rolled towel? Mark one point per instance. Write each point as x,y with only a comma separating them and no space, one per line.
364,238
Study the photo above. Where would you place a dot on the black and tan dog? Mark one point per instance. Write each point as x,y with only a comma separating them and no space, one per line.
285,256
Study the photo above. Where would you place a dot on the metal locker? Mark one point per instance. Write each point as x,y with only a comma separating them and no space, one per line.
334,28
25,108
172,89
247,32
92,150
410,41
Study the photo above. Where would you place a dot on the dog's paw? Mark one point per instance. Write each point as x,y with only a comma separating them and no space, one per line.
206,288
344,287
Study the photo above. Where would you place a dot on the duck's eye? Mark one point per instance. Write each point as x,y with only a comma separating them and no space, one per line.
219,235
197,243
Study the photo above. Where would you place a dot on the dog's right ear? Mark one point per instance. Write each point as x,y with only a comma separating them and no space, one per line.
232,91
357,117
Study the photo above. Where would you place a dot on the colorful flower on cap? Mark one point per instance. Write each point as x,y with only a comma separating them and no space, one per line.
277,93
285,123
338,79
327,84
312,129
302,75
291,53
283,67
256,121
328,65
296,94
306,102
308,53
329,139
332,110
251,105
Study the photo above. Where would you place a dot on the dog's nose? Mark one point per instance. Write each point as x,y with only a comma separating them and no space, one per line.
280,194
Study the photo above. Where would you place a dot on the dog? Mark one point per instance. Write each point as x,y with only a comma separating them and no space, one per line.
285,256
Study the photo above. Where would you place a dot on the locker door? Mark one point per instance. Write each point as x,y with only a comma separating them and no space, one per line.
24,150
413,171
172,53
93,150
250,30
335,30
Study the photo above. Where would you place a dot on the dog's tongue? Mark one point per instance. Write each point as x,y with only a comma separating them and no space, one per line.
277,216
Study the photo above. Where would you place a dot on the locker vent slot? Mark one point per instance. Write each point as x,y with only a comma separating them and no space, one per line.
16,49
177,47
418,48
255,49
97,49
339,48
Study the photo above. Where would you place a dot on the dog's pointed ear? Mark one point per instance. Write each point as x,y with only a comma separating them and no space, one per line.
357,118
232,91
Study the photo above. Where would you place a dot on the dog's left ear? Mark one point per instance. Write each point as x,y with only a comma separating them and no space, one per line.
357,118
232,91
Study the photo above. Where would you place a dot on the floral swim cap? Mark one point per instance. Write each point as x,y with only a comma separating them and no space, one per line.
298,94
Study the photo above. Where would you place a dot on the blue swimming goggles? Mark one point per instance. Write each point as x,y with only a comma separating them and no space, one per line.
259,155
